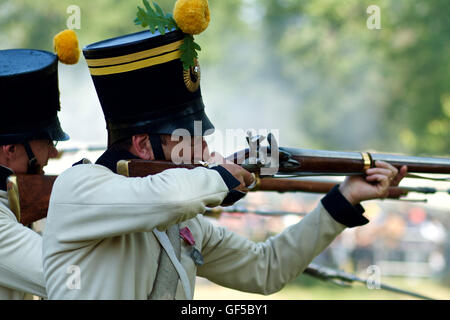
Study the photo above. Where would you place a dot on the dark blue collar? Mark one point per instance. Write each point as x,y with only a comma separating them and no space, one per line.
4,174
110,158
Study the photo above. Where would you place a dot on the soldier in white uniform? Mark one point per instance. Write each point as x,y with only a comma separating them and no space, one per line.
28,128
112,237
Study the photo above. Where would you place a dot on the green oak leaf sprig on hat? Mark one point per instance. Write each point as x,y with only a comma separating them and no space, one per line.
190,16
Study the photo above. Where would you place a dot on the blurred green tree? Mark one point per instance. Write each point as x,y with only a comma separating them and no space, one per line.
32,24
358,88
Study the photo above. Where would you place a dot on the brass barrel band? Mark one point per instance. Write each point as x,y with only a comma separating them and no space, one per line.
367,160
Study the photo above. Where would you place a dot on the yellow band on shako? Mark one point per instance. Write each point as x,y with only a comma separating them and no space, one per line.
134,56
136,65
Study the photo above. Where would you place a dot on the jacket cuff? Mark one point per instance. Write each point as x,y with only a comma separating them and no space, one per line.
231,182
342,210
227,177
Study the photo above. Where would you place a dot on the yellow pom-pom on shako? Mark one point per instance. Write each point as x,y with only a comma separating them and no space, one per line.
192,16
66,47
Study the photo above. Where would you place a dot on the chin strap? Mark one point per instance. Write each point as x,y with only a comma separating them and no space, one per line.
155,141
33,166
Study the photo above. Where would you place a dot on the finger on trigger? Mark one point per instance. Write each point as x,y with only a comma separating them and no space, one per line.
403,170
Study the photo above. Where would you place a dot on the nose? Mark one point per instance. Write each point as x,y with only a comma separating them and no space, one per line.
52,152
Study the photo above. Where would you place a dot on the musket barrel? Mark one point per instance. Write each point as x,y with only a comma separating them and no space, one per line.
337,162
415,164
325,161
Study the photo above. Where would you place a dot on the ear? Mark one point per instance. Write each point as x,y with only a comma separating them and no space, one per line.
141,147
9,150
8,154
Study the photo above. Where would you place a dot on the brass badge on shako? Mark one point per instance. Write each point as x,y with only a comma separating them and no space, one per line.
192,77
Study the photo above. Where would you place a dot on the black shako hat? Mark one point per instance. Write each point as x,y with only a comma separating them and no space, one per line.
142,86
29,96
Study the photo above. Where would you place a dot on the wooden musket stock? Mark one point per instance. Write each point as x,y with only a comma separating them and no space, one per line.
29,196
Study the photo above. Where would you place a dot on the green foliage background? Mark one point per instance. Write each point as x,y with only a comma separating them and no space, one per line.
342,85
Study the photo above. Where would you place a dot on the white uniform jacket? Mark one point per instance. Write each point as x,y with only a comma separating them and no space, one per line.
98,242
20,257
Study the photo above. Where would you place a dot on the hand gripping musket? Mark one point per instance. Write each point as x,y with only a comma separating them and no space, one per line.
344,279
29,194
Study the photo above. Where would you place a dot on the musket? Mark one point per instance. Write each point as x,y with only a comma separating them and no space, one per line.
277,161
304,162
308,162
26,193
344,279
